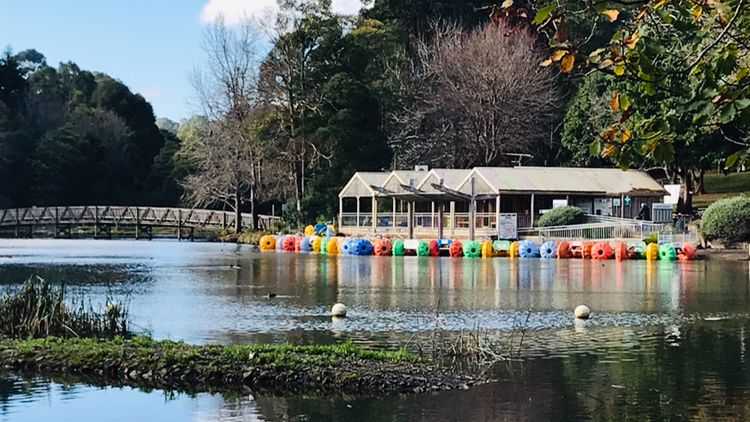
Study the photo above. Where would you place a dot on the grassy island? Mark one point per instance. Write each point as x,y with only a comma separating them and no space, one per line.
40,334
142,361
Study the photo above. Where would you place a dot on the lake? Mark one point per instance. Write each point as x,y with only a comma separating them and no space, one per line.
666,341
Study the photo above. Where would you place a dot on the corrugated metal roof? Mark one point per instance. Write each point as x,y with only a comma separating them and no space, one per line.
568,179
452,178
359,184
572,180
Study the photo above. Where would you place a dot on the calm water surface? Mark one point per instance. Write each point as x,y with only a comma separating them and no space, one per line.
667,340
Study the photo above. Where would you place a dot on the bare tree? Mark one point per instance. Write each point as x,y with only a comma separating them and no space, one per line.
289,85
228,158
477,96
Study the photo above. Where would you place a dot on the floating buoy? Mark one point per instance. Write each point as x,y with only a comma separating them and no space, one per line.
305,245
514,249
586,254
333,247
563,250
601,250
398,247
317,244
289,243
621,251
548,250
488,251
667,252
528,249
434,248
267,243
362,247
457,249
687,252
472,249
338,310
309,231
582,312
382,247
423,249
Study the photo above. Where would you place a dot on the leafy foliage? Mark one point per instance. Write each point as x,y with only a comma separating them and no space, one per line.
689,57
562,216
727,220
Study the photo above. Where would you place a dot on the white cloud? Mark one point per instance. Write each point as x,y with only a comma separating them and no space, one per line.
153,94
346,7
235,10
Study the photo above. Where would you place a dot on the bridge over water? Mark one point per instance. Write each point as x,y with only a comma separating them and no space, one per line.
23,221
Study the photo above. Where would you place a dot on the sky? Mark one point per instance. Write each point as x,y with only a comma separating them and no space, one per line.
149,45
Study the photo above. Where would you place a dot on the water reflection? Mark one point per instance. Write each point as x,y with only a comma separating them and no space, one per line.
696,371
219,293
666,342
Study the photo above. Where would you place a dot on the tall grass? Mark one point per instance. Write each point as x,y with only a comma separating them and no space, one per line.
40,309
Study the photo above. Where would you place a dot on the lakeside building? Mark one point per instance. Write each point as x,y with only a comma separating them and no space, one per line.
441,203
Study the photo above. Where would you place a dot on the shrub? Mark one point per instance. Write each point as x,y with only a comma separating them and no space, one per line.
727,220
562,216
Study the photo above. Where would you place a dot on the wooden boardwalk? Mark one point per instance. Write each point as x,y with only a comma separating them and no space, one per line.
103,218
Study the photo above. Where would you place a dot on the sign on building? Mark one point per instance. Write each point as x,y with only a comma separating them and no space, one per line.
507,226
661,213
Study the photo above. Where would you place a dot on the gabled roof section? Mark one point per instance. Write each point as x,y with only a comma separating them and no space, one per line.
572,180
403,177
482,185
452,179
360,184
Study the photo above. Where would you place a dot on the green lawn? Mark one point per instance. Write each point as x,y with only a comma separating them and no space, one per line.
719,186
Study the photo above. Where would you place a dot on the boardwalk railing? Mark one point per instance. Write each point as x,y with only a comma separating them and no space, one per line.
127,215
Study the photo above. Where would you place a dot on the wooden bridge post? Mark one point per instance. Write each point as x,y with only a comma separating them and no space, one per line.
57,220
96,222
18,223
179,224
137,223
223,220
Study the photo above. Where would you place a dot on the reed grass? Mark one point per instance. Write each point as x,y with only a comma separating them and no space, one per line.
40,309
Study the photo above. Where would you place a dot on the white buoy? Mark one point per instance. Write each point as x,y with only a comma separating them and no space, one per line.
582,312
338,310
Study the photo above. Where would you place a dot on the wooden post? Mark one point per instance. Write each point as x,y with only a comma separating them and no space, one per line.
57,221
472,210
432,214
497,215
622,206
18,223
341,213
374,214
441,205
453,218
179,224
358,212
410,222
137,223
96,222
532,210
393,218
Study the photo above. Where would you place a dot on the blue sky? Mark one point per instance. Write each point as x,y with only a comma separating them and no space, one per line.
150,45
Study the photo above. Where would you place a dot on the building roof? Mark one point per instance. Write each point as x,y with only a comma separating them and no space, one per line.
498,180
567,180
361,184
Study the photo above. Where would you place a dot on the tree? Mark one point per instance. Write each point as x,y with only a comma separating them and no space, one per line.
227,159
170,126
693,54
480,95
292,80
